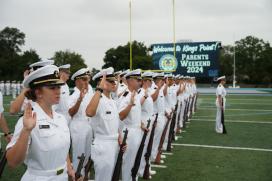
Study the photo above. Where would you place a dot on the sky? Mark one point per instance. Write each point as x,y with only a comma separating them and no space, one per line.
91,27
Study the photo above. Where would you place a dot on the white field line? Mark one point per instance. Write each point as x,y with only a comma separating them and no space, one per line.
236,115
209,108
239,103
166,153
230,99
223,147
236,121
158,166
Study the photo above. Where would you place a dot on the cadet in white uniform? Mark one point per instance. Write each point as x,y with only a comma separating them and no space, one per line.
105,119
2,87
18,87
42,138
62,107
7,87
13,89
146,99
130,113
220,93
160,90
122,87
81,131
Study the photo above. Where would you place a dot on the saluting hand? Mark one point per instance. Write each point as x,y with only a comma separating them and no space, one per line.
29,119
82,93
167,82
102,84
132,97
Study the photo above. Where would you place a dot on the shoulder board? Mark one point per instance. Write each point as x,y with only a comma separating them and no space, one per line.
121,85
125,94
155,87
139,91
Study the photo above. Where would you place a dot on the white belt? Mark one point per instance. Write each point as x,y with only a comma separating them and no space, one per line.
106,137
55,172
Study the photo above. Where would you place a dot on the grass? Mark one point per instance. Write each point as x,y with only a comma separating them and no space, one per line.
210,164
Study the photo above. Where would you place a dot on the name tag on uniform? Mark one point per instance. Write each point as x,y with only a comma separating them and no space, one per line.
44,126
108,112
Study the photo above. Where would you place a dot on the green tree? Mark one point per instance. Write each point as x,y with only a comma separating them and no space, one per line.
69,57
119,58
254,60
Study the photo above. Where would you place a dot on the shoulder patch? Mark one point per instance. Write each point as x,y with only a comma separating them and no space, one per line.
125,94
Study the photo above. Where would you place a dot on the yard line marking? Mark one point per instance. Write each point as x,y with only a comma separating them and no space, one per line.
166,153
209,108
229,99
248,114
240,103
158,166
223,147
236,121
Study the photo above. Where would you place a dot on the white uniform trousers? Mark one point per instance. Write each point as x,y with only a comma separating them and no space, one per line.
81,133
104,155
161,121
133,143
218,123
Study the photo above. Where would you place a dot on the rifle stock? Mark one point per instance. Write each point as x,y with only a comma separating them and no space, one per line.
149,149
87,169
3,163
138,157
171,134
158,157
118,165
80,166
223,118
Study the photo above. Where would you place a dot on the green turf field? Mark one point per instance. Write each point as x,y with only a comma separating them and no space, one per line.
244,154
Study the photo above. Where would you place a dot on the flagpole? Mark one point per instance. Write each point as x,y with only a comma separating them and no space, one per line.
130,36
234,65
174,28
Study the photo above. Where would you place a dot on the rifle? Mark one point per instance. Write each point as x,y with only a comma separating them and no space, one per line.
79,166
138,157
118,165
191,106
87,169
223,118
3,163
178,124
158,157
149,149
171,134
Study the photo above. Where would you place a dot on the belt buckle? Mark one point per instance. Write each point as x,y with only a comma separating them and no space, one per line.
60,171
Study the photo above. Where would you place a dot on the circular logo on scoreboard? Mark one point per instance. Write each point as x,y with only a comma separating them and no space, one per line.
168,62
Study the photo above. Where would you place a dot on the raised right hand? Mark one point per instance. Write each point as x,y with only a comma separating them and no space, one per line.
29,119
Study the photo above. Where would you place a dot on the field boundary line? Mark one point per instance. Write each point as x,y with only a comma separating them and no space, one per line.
223,147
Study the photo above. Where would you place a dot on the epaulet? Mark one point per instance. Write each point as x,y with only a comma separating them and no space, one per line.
139,91
125,94
155,87
121,85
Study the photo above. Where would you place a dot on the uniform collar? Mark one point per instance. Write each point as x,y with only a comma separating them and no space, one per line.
41,115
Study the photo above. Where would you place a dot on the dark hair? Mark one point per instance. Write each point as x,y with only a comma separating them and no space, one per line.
30,94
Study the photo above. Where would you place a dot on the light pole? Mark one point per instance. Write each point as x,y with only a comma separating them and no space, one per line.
130,36
234,68
174,28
